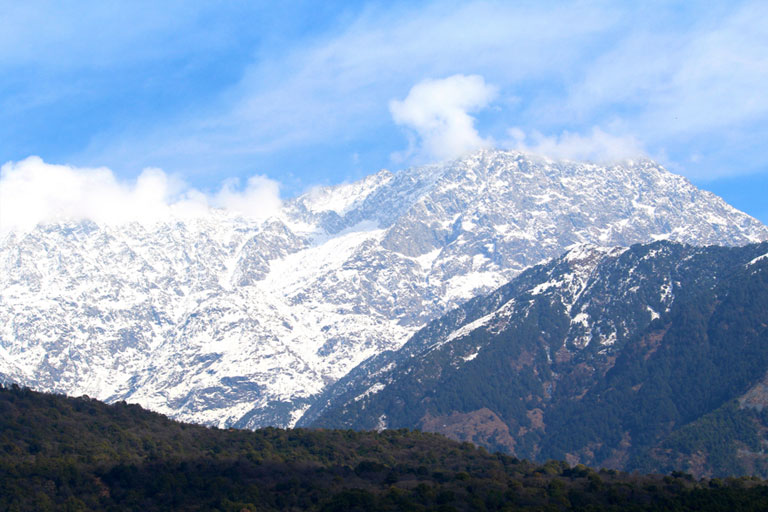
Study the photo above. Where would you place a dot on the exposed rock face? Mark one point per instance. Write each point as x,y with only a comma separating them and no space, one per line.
482,427
226,321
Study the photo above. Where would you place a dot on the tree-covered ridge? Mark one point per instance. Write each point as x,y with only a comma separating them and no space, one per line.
641,369
59,453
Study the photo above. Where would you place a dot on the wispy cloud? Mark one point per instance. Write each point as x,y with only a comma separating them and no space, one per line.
680,82
594,146
337,85
196,89
34,192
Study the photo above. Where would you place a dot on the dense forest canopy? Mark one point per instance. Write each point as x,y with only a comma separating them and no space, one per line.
59,453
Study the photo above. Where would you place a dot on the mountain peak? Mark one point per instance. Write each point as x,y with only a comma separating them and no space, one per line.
225,320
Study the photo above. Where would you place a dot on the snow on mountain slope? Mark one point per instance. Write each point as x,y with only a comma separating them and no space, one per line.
659,330
227,321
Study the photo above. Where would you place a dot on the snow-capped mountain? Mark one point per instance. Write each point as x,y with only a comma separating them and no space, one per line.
650,358
227,321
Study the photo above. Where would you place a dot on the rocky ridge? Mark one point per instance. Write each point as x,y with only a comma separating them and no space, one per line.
650,358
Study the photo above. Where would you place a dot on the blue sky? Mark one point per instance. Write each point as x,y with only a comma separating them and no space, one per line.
307,93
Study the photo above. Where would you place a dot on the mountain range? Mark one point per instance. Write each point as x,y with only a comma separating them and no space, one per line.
229,321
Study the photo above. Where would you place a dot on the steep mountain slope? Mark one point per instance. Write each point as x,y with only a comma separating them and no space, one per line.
651,357
227,321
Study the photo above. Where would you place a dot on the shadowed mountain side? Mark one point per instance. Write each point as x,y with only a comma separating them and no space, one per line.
652,357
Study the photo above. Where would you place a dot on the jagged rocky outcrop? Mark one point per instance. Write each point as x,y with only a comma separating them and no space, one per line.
227,321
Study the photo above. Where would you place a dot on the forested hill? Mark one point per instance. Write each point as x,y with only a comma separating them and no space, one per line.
651,358
59,453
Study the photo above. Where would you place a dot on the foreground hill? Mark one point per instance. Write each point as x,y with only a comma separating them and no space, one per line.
651,358
231,322
60,453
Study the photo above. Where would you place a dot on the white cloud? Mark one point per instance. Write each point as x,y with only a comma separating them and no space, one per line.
336,85
597,146
685,79
695,89
438,111
259,199
33,192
